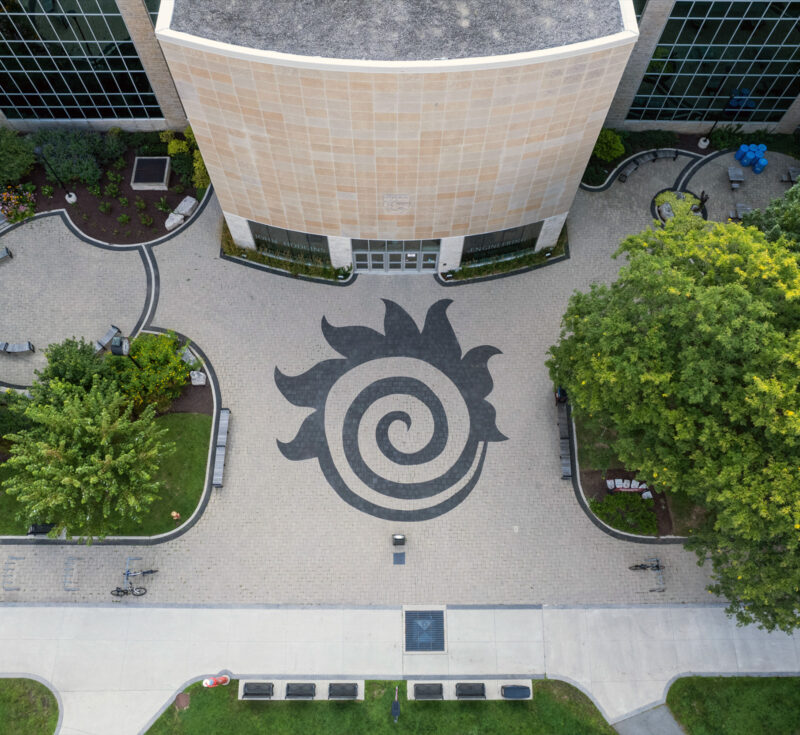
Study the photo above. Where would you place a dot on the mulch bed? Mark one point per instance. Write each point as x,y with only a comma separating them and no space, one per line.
194,399
86,216
594,486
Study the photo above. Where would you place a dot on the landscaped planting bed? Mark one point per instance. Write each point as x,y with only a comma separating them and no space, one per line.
556,709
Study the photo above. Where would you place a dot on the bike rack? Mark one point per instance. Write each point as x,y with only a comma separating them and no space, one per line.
659,574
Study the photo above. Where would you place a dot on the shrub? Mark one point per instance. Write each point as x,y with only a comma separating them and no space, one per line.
163,206
161,374
200,177
183,166
29,186
104,207
47,191
165,136
114,177
140,204
681,205
147,144
123,201
727,136
73,361
111,190
627,512
16,157
123,219
646,140
111,146
70,153
95,190
176,145
146,220
608,146
189,135
119,164
12,412
178,189
17,204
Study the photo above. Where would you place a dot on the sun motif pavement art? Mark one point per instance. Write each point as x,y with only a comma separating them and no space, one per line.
401,423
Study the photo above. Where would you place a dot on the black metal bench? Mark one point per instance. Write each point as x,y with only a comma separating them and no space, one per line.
17,347
258,690
221,446
342,691
301,691
564,445
5,253
105,340
515,691
40,529
428,691
470,690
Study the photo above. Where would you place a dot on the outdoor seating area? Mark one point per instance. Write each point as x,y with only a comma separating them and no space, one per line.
12,348
105,340
259,690
221,445
468,690
646,157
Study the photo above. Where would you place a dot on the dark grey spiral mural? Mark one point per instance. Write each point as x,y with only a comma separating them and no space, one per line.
401,423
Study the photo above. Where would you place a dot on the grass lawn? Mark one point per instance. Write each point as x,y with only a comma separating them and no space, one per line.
737,705
556,709
27,708
182,475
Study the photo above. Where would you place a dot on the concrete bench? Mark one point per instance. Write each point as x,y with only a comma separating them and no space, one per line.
5,254
471,690
17,347
221,446
627,171
515,691
257,690
667,153
646,157
343,691
105,340
428,691
301,691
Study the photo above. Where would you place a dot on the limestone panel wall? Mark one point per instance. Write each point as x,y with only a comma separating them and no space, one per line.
395,154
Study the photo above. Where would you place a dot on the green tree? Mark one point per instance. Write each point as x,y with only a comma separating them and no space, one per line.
693,358
781,217
16,157
86,463
74,362
608,146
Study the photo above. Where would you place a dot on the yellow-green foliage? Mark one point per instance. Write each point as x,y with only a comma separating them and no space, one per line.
176,146
679,206
189,135
165,136
200,179
158,375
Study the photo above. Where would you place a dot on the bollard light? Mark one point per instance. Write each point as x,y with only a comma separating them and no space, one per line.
398,539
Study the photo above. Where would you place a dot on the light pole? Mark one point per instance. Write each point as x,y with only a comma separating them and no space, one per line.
122,346
70,197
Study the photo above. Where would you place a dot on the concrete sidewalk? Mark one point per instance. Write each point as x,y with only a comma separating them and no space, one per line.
116,666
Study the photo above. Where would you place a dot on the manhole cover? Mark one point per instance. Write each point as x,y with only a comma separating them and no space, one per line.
182,701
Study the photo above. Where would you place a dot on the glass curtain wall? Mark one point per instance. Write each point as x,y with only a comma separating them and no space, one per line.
511,243
70,60
736,61
298,247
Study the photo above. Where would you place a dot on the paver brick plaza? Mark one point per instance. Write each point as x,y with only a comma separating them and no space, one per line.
278,532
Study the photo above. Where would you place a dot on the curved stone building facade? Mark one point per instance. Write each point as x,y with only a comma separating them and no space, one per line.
330,134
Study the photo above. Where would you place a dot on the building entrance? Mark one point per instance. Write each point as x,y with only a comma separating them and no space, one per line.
396,256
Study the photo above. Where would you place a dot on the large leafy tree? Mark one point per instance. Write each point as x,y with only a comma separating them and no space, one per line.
781,217
86,463
693,358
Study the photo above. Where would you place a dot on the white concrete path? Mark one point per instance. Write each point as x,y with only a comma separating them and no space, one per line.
115,667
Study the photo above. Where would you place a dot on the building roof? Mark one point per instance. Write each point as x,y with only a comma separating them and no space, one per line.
398,30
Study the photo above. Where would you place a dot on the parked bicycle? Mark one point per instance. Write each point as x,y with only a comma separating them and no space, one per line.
129,588
653,564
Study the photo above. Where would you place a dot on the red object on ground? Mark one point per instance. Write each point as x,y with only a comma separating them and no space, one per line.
216,681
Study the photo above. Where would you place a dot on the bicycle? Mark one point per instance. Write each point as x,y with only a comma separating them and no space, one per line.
129,589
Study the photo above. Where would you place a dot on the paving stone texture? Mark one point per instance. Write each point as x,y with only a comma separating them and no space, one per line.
278,532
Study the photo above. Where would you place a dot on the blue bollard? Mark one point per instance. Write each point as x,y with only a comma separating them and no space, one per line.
760,165
740,153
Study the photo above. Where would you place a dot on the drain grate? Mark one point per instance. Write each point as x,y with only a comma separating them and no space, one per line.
424,630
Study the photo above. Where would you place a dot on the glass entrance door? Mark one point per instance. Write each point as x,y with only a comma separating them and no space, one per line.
396,256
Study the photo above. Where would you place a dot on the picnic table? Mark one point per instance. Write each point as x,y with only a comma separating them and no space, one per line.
735,176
